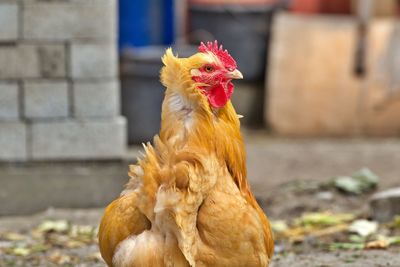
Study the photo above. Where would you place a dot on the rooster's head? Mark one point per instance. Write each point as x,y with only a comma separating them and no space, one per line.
216,70
206,76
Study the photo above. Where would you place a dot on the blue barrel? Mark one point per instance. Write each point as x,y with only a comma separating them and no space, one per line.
145,22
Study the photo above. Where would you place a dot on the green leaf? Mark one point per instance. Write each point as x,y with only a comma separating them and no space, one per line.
21,251
361,181
348,184
60,226
323,219
394,240
367,179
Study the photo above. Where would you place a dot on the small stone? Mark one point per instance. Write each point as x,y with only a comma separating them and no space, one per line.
385,205
325,195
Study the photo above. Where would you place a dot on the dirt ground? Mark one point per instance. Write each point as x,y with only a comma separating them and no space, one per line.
289,177
339,259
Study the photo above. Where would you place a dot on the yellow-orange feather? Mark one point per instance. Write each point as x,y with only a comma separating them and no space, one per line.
178,152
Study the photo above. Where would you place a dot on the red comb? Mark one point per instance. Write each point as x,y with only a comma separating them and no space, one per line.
222,54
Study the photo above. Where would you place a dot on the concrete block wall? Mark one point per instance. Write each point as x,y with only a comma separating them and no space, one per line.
59,91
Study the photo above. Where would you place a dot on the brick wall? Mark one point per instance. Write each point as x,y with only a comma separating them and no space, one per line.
59,92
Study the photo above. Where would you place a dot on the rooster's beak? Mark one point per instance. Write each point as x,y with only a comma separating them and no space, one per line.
236,74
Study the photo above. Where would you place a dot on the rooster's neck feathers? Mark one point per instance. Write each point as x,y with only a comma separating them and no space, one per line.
188,120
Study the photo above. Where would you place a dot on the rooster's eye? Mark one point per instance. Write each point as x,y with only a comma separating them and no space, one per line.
209,68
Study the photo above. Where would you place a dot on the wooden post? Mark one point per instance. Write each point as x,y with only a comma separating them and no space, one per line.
364,12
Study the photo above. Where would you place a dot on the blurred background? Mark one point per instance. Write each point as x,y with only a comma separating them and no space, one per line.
80,91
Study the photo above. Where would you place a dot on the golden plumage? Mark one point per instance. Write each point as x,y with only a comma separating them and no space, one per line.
188,202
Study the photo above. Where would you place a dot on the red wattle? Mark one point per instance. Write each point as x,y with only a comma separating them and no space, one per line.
219,95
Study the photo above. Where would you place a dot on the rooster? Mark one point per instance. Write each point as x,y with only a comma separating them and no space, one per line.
188,202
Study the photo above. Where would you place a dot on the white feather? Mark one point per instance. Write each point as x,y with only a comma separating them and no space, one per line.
166,199
183,109
147,244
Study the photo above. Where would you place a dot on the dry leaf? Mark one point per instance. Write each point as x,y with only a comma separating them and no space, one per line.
11,236
60,226
58,258
363,227
20,251
96,256
279,226
377,244
74,244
